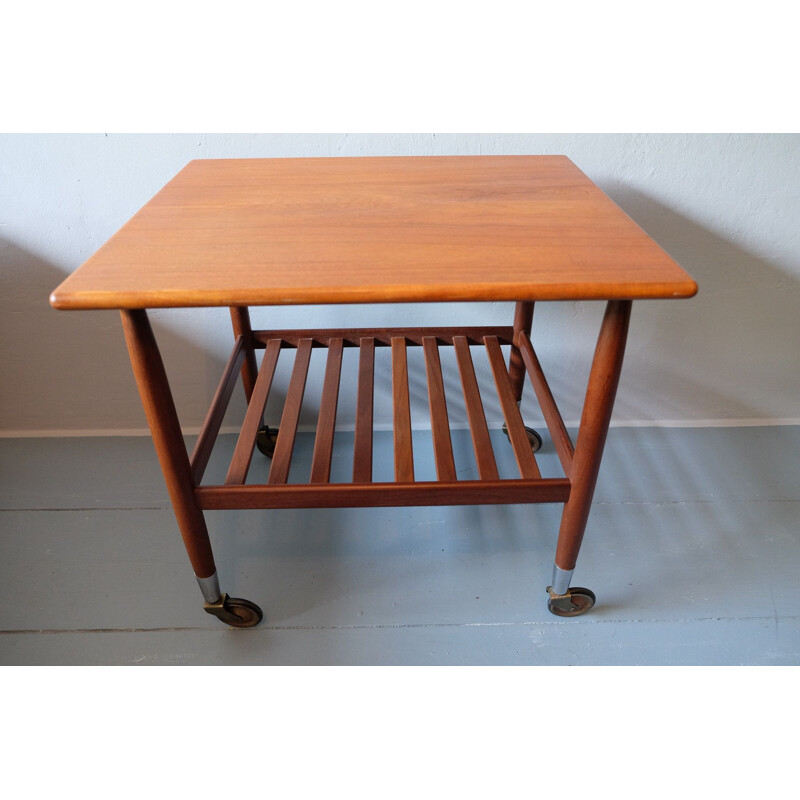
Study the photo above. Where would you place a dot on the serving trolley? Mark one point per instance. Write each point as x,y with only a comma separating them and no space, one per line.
270,232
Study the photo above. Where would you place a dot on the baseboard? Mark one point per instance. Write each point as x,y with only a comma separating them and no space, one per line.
640,423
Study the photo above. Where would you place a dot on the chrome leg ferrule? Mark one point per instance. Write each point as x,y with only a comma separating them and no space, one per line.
210,588
561,580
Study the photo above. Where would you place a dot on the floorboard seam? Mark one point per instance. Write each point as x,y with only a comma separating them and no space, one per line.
89,508
412,625
687,502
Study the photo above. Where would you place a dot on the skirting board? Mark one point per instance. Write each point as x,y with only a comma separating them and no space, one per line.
636,423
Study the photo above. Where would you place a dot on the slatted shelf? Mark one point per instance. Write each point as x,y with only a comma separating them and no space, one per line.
405,489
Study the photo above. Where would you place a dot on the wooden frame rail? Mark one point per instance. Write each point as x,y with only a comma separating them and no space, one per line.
352,495
382,337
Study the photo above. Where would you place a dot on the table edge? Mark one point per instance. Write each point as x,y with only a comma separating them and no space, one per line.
349,295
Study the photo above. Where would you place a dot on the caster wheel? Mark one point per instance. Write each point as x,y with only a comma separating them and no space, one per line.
265,441
235,611
247,614
575,602
533,438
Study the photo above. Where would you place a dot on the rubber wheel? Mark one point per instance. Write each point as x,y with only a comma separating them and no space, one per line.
265,440
249,614
533,437
577,602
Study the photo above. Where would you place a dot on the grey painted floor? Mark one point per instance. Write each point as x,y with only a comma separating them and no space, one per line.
693,550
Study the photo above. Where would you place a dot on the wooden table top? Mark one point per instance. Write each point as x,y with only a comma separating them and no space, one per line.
371,230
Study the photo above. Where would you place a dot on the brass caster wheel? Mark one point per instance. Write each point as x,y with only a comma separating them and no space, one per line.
265,441
575,602
533,437
235,611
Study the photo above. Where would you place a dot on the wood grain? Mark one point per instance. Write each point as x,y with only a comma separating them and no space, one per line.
216,412
440,424
526,461
382,337
362,444
239,232
326,422
401,413
159,407
523,318
552,416
240,320
484,455
595,418
287,430
242,455
354,495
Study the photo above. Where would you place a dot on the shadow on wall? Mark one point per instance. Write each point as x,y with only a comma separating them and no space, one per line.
731,352
62,368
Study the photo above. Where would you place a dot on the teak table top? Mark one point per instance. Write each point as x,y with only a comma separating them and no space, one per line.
369,230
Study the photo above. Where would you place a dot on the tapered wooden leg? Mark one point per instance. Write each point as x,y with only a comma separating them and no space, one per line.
523,318
240,318
148,369
597,407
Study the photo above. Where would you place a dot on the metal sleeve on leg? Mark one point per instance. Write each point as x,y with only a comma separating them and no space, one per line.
561,580
210,588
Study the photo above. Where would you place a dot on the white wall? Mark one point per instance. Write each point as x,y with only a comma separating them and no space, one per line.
725,206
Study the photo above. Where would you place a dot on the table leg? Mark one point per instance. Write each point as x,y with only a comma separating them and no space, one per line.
159,407
523,319
240,319
595,418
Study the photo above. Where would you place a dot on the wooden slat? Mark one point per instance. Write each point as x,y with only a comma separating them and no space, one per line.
552,416
484,456
323,443
216,412
240,463
284,445
401,412
514,425
351,495
362,443
440,425
383,336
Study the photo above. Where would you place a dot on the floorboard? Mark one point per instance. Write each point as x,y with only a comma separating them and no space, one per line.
693,549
